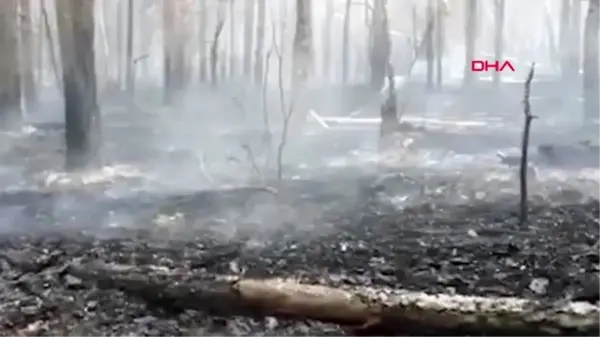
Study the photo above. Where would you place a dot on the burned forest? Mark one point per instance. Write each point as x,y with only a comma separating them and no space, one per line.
299,167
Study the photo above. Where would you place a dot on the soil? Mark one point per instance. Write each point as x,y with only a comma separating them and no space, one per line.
332,238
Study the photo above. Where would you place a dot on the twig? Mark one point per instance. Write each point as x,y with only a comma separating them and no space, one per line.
525,144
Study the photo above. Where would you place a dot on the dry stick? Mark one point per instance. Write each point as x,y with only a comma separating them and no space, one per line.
525,144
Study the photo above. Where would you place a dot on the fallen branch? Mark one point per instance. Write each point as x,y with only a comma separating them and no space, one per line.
372,310
525,145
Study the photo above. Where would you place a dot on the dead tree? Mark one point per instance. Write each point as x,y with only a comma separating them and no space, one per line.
564,43
380,45
75,21
429,55
524,168
499,8
302,52
10,79
248,36
232,56
326,39
50,40
259,61
214,53
129,74
471,27
390,122
27,57
202,43
346,43
440,36
574,63
591,81
173,50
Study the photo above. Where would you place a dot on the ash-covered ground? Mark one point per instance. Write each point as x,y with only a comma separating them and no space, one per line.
442,216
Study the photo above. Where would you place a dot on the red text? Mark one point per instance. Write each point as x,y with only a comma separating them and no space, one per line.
485,66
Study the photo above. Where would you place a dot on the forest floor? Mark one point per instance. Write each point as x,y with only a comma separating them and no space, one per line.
433,223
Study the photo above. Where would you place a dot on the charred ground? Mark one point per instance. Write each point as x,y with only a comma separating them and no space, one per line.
52,283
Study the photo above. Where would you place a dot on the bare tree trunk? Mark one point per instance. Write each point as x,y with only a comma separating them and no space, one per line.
75,20
591,81
564,37
470,38
379,55
248,36
346,43
27,57
232,55
130,79
119,41
10,79
440,36
50,42
40,47
575,55
303,43
173,52
260,43
429,55
499,7
202,43
327,29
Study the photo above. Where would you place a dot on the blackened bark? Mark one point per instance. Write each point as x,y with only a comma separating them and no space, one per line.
75,20
10,79
27,57
380,45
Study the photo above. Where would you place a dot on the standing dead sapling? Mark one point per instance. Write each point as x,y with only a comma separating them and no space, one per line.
525,145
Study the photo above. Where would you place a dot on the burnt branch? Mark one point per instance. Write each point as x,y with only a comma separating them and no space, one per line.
525,145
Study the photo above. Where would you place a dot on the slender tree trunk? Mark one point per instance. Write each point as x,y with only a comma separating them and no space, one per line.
202,44
499,7
303,43
327,29
575,55
173,51
75,21
248,36
429,54
379,55
591,81
439,42
27,57
470,41
564,37
129,57
51,44
260,43
346,43
10,79
40,47
119,41
232,55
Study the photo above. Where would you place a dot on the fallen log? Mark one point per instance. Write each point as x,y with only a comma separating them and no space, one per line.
369,310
